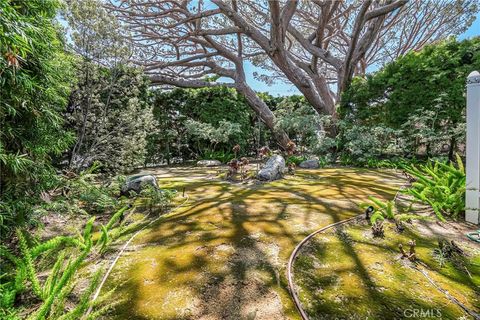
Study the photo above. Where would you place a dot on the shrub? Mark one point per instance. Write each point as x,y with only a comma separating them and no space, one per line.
295,159
441,185
420,97
155,198
178,112
35,77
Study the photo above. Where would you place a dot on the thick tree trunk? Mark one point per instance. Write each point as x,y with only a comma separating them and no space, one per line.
262,110
317,96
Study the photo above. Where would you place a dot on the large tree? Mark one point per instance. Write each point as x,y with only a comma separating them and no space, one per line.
319,45
187,45
316,45
109,105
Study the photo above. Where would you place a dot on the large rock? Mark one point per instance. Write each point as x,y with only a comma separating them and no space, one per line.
208,163
273,169
309,164
136,183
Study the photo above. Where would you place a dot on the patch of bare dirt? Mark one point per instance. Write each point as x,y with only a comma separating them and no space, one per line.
241,291
237,299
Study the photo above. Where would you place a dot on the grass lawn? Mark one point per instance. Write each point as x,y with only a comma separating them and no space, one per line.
223,255
347,274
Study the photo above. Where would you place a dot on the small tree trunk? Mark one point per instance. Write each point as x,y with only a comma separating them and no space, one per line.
168,152
451,148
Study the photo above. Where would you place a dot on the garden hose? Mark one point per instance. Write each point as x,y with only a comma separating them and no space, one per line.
474,236
291,285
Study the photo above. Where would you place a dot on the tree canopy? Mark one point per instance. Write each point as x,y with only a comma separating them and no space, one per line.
316,45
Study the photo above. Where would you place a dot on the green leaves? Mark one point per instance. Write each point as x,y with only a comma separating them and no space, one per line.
383,210
112,117
34,83
215,135
181,113
440,185
53,291
420,96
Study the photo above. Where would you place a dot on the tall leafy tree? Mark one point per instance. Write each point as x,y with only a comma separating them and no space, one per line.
109,107
34,82
421,94
318,46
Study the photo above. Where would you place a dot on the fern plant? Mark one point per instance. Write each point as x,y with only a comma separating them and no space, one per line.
388,210
29,265
105,237
440,185
60,281
155,198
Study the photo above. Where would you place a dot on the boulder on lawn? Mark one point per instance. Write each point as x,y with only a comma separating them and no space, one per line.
136,183
208,163
309,164
273,169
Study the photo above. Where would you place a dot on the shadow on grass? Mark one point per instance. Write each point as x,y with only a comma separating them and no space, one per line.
363,278
223,256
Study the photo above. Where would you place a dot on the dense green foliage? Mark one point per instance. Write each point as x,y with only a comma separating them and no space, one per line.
200,123
207,123
109,108
110,113
412,106
303,125
54,290
34,85
441,185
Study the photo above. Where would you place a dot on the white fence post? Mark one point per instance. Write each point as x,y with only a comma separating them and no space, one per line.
472,195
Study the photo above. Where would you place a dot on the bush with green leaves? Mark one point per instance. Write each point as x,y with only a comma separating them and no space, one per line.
210,136
420,97
35,78
156,199
440,185
304,126
84,193
363,143
177,112
220,155
295,159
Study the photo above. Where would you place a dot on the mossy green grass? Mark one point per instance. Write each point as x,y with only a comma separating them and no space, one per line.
223,254
349,274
